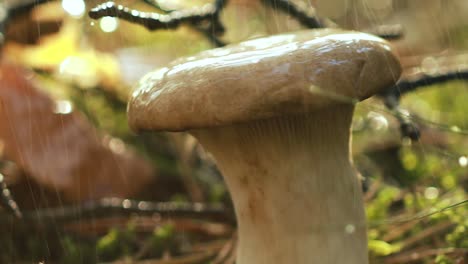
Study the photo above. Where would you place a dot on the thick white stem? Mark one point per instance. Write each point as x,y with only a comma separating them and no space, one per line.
296,194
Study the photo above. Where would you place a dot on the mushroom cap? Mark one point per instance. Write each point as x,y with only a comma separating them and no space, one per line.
263,78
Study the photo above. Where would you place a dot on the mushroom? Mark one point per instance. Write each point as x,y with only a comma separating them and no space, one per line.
275,113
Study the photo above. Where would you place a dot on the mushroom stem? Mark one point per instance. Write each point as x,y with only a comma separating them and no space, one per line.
295,191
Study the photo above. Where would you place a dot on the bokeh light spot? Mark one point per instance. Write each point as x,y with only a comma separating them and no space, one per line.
431,193
463,161
75,8
109,24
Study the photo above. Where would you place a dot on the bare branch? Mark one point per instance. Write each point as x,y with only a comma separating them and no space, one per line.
408,128
305,16
108,207
6,199
154,21
424,80
389,32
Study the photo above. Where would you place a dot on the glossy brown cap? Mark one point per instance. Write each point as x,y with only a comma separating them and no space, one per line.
263,78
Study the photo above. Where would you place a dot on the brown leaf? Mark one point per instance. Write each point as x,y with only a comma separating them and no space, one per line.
59,149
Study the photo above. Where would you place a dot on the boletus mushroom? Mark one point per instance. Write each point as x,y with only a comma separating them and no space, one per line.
276,113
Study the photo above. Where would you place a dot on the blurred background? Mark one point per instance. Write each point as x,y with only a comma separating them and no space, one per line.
91,191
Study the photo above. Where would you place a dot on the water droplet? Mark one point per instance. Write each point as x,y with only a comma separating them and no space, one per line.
431,193
455,129
429,65
143,205
407,142
377,121
63,107
350,228
109,24
75,8
126,204
117,145
463,161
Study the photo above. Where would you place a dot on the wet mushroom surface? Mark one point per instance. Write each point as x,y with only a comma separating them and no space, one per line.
276,113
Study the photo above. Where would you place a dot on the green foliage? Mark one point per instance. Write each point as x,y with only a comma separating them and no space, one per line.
382,248
459,236
377,209
442,259
162,238
116,243
76,252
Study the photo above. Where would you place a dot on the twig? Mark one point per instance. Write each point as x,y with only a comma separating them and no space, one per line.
199,257
206,31
397,232
419,216
305,16
7,200
423,80
408,128
194,17
153,21
212,38
418,254
428,232
388,32
392,96
108,207
443,68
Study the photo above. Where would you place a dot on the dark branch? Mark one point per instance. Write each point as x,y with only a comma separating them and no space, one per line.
9,10
212,38
389,32
424,80
408,129
305,16
154,21
108,207
6,199
392,96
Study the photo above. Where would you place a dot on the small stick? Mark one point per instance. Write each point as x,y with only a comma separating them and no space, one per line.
305,17
418,254
108,207
154,21
7,199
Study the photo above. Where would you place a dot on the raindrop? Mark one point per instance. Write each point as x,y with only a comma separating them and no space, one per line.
126,204
407,142
75,8
63,107
377,121
463,161
431,193
429,65
349,229
117,145
143,205
109,24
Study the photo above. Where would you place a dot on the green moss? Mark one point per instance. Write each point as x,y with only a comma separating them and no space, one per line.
382,248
